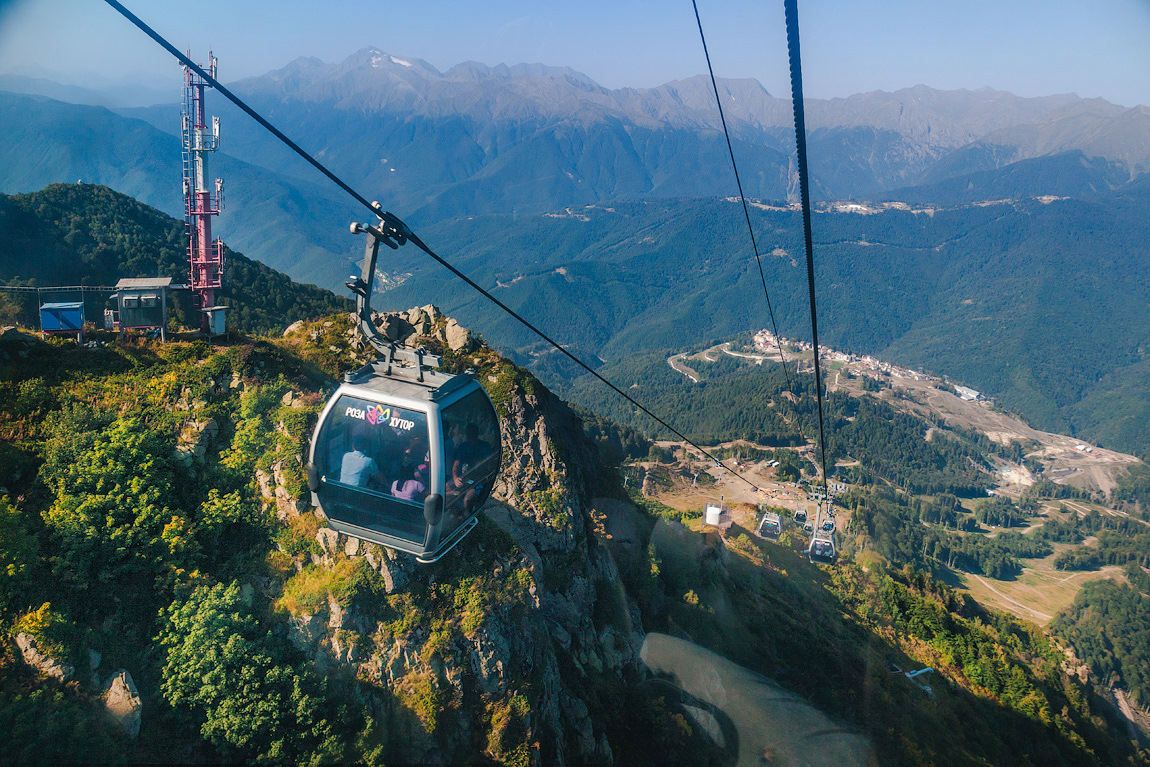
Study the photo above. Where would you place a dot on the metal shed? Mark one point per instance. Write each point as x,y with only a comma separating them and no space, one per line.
216,320
142,302
62,317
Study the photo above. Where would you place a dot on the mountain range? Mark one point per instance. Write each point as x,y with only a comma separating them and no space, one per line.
1042,304
477,139
530,137
496,167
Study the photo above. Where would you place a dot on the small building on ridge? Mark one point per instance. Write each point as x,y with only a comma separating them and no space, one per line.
142,303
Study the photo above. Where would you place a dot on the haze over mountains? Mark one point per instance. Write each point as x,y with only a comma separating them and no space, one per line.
480,139
532,138
515,144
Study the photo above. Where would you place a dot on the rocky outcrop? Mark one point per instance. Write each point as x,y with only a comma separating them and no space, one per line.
395,569
486,629
273,488
16,343
41,662
456,336
422,324
123,704
194,439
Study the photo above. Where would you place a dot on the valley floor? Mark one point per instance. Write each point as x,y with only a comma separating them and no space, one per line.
1041,590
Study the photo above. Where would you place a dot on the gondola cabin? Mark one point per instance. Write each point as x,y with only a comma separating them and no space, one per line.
712,514
800,516
405,457
822,548
770,527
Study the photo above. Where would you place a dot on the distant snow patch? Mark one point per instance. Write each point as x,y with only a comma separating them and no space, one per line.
401,62
375,61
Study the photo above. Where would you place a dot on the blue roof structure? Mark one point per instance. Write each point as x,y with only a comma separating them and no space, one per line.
62,316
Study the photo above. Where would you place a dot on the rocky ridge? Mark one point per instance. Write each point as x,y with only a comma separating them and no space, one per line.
533,572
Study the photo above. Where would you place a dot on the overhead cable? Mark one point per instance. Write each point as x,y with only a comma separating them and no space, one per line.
399,226
742,197
792,14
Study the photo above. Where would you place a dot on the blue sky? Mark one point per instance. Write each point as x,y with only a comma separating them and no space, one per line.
1097,48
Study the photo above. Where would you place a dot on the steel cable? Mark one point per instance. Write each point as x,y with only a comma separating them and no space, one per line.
742,197
792,18
400,226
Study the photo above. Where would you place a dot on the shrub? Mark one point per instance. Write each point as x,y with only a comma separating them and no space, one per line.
223,666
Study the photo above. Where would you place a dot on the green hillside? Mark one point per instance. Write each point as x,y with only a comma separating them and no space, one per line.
179,554
154,520
915,498
84,234
290,225
1045,307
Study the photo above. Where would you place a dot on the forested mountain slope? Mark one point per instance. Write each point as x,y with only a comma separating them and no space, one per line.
183,555
1045,306
85,234
528,139
297,226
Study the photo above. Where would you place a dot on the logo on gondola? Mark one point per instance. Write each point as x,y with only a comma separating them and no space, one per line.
380,416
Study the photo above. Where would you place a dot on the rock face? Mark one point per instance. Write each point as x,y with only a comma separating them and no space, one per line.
194,439
483,632
457,337
122,702
15,342
421,324
274,491
43,663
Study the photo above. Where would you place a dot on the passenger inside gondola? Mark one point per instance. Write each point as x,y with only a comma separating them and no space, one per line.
357,467
414,488
470,440
469,469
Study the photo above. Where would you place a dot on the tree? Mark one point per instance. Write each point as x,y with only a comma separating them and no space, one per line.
17,554
110,513
224,667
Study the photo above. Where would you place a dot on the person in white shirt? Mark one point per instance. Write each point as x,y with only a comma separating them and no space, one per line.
357,468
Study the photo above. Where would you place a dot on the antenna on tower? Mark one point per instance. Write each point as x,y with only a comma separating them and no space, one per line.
205,255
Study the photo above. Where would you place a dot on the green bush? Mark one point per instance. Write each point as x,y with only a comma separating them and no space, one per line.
223,666
17,554
111,513
309,589
55,635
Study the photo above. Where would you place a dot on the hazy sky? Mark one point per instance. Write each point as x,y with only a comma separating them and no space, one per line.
1029,47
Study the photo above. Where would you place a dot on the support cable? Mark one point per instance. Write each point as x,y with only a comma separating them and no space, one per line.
742,197
792,13
401,229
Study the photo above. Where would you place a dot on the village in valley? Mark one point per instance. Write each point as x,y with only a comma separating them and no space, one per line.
745,485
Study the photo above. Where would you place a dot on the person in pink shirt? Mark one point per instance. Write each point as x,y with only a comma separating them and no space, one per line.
412,489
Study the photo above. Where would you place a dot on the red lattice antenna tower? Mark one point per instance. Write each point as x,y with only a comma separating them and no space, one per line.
200,203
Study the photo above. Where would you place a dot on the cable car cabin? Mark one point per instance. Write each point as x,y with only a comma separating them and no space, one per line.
771,526
405,459
828,524
800,516
822,548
